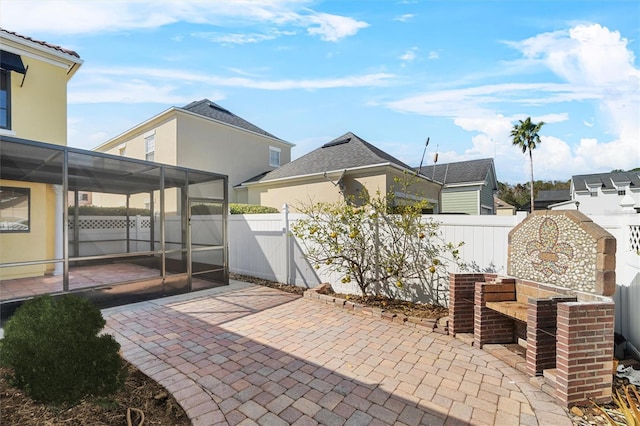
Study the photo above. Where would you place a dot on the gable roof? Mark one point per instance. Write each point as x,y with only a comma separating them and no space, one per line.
209,109
342,153
461,172
41,43
501,204
606,181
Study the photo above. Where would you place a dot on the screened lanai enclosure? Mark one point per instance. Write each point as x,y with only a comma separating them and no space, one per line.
112,229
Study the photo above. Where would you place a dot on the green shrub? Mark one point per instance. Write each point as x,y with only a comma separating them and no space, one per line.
107,211
250,209
55,351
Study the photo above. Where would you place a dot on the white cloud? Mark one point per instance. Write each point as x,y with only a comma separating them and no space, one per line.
333,27
241,38
167,86
433,55
594,65
409,55
78,17
404,18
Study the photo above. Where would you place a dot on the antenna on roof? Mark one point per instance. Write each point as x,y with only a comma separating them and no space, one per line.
435,160
423,153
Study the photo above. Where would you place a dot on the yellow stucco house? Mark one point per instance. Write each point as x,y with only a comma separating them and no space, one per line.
33,105
203,135
343,167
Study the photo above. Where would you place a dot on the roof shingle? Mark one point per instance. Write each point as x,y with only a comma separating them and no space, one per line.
345,152
606,181
460,172
212,110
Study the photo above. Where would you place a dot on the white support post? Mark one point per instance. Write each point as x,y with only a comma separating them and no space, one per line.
287,242
58,268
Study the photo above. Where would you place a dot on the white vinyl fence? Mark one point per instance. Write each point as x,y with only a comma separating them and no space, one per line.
260,246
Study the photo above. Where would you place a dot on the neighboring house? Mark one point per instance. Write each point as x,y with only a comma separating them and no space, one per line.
546,198
33,105
343,167
605,193
205,136
502,208
468,187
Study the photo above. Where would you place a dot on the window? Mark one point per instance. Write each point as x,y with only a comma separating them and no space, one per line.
5,100
123,151
14,209
150,148
593,192
622,192
274,156
84,197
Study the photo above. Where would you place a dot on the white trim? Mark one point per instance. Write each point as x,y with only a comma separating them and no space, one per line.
62,61
151,132
7,132
279,151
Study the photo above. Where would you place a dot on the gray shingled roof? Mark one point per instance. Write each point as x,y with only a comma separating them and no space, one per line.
212,110
345,152
605,180
460,172
555,195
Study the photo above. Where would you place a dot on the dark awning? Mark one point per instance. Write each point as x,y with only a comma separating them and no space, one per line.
12,62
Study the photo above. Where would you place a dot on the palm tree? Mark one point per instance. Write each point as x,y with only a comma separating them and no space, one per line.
525,136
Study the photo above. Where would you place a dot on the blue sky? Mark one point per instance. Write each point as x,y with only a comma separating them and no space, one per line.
393,72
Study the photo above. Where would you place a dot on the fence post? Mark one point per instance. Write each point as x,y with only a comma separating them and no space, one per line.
376,249
287,253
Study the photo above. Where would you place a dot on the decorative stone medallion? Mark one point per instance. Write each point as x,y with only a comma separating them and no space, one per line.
563,248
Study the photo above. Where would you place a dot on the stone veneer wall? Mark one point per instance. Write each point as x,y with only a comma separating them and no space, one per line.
563,248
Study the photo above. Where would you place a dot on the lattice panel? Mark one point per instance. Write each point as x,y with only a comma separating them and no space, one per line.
634,237
110,223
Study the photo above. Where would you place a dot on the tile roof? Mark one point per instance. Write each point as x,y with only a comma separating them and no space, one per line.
345,152
42,43
605,180
212,110
460,172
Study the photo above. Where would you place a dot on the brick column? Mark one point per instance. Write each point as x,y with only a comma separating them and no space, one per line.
584,352
489,325
541,333
461,294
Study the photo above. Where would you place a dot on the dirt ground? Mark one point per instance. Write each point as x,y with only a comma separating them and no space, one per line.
139,392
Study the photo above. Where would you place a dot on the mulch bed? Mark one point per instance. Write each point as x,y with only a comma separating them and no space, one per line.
141,392
409,309
259,281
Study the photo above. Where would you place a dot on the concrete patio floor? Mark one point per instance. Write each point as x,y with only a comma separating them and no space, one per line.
246,354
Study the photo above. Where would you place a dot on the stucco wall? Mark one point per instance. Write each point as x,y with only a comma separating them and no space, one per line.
319,189
38,243
215,147
39,103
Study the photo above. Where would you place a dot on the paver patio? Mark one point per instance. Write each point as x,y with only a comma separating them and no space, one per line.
246,354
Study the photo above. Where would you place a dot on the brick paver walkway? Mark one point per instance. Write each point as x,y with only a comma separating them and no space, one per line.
245,354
